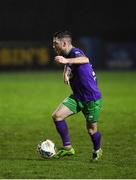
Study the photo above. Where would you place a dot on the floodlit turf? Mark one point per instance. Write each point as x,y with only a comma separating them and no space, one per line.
27,101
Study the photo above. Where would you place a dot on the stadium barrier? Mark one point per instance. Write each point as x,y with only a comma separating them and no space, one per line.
40,55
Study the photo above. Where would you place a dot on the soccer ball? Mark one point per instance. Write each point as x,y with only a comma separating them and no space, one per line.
47,148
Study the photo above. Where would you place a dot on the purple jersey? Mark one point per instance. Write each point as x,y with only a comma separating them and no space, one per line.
83,79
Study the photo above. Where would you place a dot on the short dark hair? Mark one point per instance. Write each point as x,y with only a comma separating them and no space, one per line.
63,34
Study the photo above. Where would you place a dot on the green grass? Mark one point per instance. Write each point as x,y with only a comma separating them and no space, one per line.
27,101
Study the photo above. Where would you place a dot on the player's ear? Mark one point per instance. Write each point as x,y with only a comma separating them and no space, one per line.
64,44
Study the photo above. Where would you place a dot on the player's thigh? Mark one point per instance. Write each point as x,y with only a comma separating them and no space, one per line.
68,107
92,110
61,112
72,104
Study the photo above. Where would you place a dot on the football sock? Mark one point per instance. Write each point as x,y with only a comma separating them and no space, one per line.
62,129
96,139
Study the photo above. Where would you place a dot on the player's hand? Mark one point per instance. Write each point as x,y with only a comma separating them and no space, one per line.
66,79
61,60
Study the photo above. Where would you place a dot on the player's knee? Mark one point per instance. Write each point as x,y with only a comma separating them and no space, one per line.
56,116
53,116
92,129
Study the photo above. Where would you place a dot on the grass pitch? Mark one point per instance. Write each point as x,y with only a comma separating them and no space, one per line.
27,101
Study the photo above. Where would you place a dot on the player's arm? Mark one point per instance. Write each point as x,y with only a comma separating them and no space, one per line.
76,60
66,75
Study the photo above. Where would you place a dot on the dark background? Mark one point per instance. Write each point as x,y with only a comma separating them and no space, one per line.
37,19
105,29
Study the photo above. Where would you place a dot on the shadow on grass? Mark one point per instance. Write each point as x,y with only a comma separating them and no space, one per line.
31,159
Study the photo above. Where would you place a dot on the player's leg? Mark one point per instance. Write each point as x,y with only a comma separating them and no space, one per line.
67,108
92,113
59,116
96,140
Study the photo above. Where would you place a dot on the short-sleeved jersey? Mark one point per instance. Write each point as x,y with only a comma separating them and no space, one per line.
82,79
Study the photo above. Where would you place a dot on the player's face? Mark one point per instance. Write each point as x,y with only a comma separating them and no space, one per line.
58,46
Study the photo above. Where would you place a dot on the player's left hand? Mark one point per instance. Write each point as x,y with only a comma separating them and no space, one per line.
61,60
66,79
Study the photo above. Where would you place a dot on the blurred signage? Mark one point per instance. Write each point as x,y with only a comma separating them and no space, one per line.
120,55
23,54
94,50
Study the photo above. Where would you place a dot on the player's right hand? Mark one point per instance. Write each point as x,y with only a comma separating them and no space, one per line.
61,60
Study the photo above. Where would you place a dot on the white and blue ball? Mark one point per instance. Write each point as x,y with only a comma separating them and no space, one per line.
47,148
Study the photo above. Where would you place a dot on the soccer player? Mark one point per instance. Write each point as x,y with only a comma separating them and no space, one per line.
86,97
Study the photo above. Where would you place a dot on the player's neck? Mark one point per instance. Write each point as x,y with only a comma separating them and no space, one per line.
69,49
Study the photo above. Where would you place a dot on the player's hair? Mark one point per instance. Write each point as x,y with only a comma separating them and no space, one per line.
63,34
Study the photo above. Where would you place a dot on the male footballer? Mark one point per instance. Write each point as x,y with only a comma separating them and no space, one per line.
86,96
